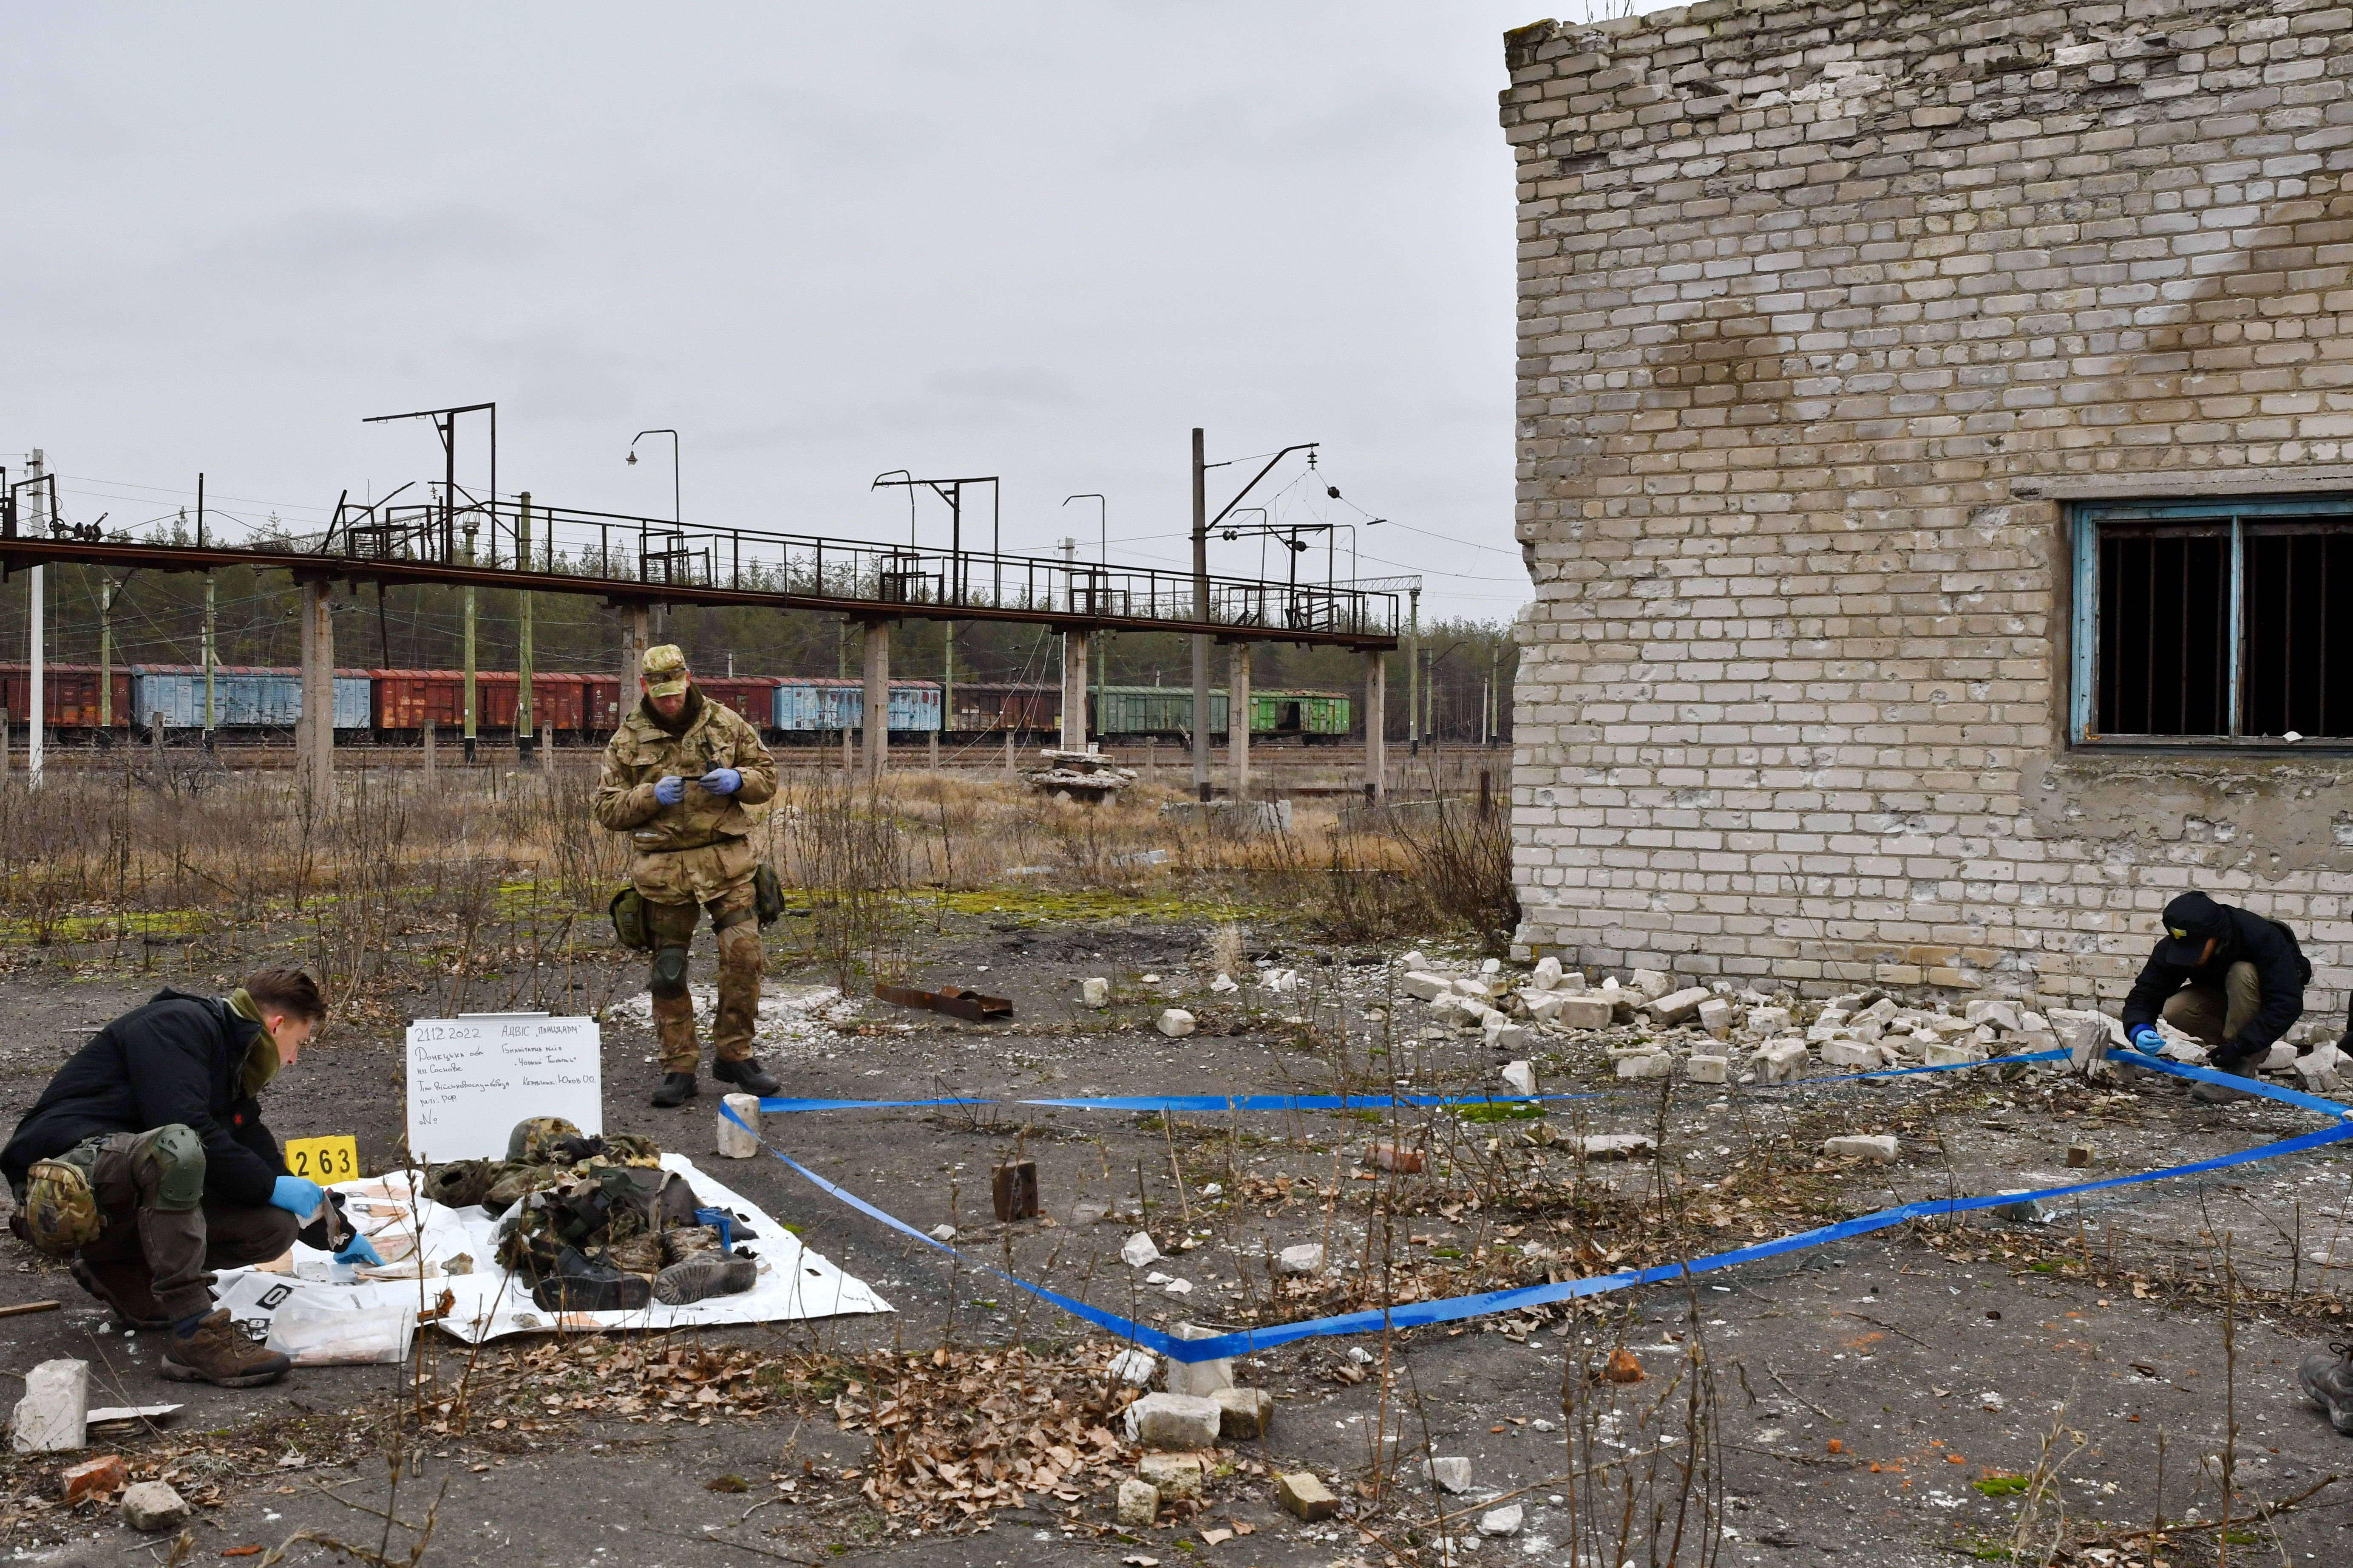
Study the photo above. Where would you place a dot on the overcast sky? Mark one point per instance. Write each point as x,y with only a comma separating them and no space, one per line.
1040,241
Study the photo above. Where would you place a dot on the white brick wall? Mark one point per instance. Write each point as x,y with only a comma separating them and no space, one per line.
1825,310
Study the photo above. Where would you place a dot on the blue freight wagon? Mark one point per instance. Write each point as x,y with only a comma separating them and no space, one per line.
244,696
805,705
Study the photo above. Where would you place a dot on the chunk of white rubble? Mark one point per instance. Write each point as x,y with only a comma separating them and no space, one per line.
1778,1061
1591,1010
1308,1257
1138,1250
1503,1521
1879,1147
1681,1005
1420,983
1521,1077
1613,1146
1715,1017
1708,1069
1224,984
51,1417
1651,983
1992,1012
1175,1421
1547,973
1942,1054
1176,1023
1133,1368
1452,1475
1648,1065
1094,992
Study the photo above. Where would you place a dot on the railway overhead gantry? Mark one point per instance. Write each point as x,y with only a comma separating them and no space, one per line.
439,533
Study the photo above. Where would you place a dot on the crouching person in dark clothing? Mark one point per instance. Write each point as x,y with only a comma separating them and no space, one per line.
2228,977
146,1163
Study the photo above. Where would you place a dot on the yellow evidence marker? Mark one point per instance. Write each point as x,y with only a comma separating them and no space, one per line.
323,1160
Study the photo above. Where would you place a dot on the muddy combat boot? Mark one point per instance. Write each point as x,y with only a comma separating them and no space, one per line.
582,1284
675,1089
2223,1094
2328,1378
698,1279
218,1352
746,1073
127,1288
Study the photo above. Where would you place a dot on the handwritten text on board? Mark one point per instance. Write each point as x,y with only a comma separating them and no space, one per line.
471,1079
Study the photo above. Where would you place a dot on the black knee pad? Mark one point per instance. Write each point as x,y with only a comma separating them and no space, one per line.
668,973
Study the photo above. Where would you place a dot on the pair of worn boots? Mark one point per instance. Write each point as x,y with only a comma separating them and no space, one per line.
216,1352
584,1284
747,1075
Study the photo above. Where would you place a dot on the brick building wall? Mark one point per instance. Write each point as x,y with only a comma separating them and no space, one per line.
1830,313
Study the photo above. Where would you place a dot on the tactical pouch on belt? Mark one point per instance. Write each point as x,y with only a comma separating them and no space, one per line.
629,911
61,1214
768,895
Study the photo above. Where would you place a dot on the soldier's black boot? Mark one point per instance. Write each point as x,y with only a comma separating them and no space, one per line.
677,1088
2328,1379
2223,1094
748,1074
582,1284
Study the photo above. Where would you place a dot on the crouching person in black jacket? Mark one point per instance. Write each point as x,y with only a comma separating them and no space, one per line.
2227,976
145,1161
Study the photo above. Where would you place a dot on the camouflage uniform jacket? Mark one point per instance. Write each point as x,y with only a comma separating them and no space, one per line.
641,753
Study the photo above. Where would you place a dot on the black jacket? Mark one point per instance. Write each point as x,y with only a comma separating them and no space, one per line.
178,1059
2279,964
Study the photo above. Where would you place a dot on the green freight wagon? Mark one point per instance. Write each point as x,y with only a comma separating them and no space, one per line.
1312,715
1168,712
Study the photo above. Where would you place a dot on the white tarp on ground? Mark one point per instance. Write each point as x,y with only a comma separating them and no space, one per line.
490,1303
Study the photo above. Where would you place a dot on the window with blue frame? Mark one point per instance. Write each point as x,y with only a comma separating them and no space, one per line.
2208,623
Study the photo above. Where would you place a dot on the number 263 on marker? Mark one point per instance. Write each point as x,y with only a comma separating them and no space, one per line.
323,1160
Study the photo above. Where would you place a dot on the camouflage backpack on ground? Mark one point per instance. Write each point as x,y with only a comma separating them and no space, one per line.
534,1138
461,1184
60,1215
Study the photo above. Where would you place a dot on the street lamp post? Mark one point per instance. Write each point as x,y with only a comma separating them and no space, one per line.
676,516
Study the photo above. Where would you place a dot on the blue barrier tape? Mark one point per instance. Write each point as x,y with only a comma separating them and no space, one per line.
1452,1309
1209,1104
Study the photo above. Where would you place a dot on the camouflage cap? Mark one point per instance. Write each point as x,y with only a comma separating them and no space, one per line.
60,1210
534,1138
664,668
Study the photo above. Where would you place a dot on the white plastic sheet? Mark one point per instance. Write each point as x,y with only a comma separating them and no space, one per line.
489,1303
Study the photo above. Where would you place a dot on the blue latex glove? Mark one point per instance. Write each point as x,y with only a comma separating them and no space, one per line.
361,1250
2147,1040
298,1195
670,790
722,780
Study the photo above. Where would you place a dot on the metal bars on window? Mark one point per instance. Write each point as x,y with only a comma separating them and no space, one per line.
2208,623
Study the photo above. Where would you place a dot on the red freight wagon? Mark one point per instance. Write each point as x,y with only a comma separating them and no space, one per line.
753,696
409,700
68,695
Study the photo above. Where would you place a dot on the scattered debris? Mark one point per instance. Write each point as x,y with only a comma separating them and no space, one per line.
1308,1257
1624,1366
1451,1475
1013,1190
1879,1149
1139,1504
1176,1421
1087,775
1176,1023
970,1005
98,1478
1134,1368
1094,992
153,1506
1247,1414
1173,1475
1138,1250
1503,1521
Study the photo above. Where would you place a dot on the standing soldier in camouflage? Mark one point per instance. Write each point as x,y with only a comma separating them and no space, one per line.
678,775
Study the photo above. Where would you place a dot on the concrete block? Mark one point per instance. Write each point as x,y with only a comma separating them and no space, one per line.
1946,1055
1508,1037
1451,1475
1174,1421
1715,1017
734,1142
1780,1061
1139,1504
1248,1411
1138,1250
1650,983
1992,1012
1547,973
1422,983
1878,1012
1879,1149
1520,1078
1305,1497
152,1506
1173,1475
2279,1058
1095,992
1767,1021
1476,989
1176,1023
1846,1053
1708,1070
1588,1010
1202,1379
1308,1257
50,1417
1654,1065
2319,1067
1681,1005
1133,1368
